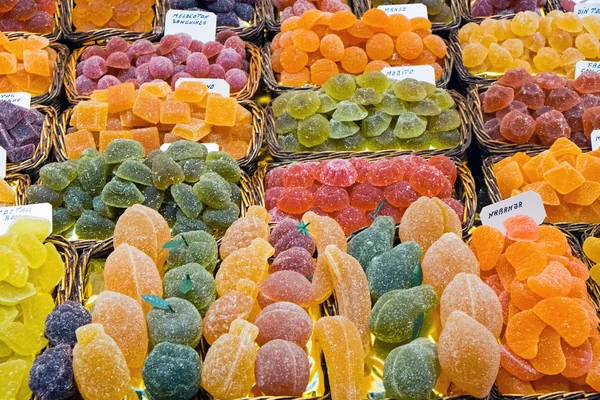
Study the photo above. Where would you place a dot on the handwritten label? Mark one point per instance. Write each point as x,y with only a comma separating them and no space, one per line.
21,99
528,203
587,8
423,73
219,86
408,10
2,163
8,215
209,146
582,66
199,25
595,137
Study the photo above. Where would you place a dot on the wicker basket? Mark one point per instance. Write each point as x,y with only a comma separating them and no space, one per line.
464,187
53,36
246,93
277,88
99,35
52,96
273,24
247,162
436,27
71,258
465,11
20,183
279,154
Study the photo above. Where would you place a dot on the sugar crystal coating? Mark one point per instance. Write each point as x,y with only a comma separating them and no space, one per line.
51,375
181,325
63,321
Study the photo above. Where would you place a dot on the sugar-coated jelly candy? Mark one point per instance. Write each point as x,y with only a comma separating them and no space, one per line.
172,371
373,241
201,292
198,247
180,324
282,369
63,321
296,259
397,268
411,371
469,354
285,286
395,313
51,375
96,351
283,320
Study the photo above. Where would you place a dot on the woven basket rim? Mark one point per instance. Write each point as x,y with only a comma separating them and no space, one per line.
281,155
274,86
66,285
53,36
105,33
52,96
464,186
246,93
22,184
464,7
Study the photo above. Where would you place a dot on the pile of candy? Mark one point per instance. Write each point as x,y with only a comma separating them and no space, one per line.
20,130
591,248
192,189
348,190
551,43
174,57
30,271
36,16
156,112
26,65
392,115
437,11
135,16
521,109
231,13
318,45
550,340
566,179
487,8
295,8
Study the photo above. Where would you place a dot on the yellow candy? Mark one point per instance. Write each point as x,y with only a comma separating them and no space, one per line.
11,295
5,351
12,373
22,339
32,249
591,248
35,310
18,267
8,239
7,315
51,272
40,228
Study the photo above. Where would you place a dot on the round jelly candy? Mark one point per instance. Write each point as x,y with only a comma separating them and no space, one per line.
180,323
64,320
283,320
51,375
193,283
282,369
285,286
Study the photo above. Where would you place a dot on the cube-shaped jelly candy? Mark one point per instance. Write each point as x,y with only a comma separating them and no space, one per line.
11,114
220,111
190,91
175,111
77,142
24,133
8,63
91,115
147,106
121,97
147,137
158,88
21,153
195,130
37,62
106,137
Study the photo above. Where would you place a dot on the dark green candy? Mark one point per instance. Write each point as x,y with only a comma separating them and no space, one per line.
192,169
186,150
221,219
374,240
202,291
62,220
121,194
166,172
120,150
397,268
91,225
57,176
76,200
213,190
224,165
198,247
187,201
135,171
43,194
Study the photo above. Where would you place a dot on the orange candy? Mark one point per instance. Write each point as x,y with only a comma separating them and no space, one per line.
487,243
527,258
523,333
409,45
566,316
354,60
550,359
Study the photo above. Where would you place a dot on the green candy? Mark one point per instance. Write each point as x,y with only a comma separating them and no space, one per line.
213,190
221,219
181,325
349,111
193,283
279,105
409,125
153,197
285,124
224,165
447,139
185,224
426,108
101,208
169,211
398,268
76,201
57,176
172,372
395,314
165,172
386,141
442,98
391,104
121,194
356,142
410,90
120,150
374,240
236,193
411,371
340,130
374,79
62,220
92,172
327,103
289,143
186,150
198,247
135,171
313,130
446,121
41,193
303,104
187,201
422,142
192,169
376,122
91,225
366,96
148,161
340,86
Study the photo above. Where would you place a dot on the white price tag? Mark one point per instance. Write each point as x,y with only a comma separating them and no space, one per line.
582,66
219,86
408,10
590,8
199,25
8,215
528,203
209,146
2,163
21,99
595,138
423,73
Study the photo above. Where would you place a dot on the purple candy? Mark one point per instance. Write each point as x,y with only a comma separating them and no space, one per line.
107,81
24,133
142,73
179,55
126,74
34,117
215,71
95,67
212,49
228,59
6,141
197,65
18,154
244,11
85,85
64,320
94,51
51,376
236,78
141,47
161,68
236,43
10,114
228,19
482,8
221,6
525,5
222,36
117,44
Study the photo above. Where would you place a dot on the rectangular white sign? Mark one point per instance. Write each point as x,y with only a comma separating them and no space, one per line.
199,25
408,10
21,99
219,86
9,214
595,139
582,66
590,8
528,203
2,163
423,73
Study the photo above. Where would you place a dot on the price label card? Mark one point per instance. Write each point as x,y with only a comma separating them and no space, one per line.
408,10
423,73
528,203
9,215
219,86
209,146
595,139
199,25
2,163
21,99
587,8
582,66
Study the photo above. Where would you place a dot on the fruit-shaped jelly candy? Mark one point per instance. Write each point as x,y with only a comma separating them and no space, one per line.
296,259
11,295
13,374
554,281
35,310
550,359
395,314
288,235
180,323
468,293
239,303
425,221
123,320
351,289
22,339
411,371
283,320
64,320
373,241
197,247
397,268
193,283
131,272
228,370
172,371
100,368
469,354
567,317
523,333
341,343
255,224
517,366
282,369
51,375
444,259
146,229
487,243
246,263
